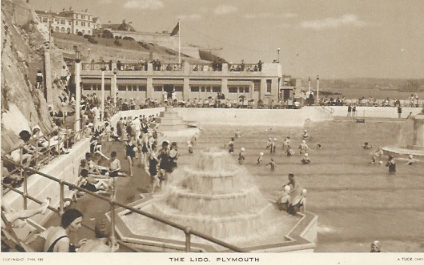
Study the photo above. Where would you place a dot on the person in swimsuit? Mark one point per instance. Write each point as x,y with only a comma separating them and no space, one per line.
259,159
130,154
189,147
367,146
238,133
305,160
57,239
272,164
173,156
114,166
231,146
153,168
391,164
286,143
241,157
411,160
164,163
303,147
284,200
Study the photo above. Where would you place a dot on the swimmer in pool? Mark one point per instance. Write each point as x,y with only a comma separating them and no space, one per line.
259,159
272,164
367,146
411,160
305,160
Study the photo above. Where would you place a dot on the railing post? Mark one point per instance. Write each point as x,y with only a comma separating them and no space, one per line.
36,153
187,232
25,178
49,149
112,214
62,199
58,144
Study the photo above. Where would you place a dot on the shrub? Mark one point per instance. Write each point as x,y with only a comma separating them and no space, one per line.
144,45
86,36
92,40
117,43
79,33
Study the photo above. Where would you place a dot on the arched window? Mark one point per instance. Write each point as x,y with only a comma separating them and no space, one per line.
56,29
88,32
62,30
68,30
83,31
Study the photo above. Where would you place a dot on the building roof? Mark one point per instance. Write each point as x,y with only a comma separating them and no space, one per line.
121,27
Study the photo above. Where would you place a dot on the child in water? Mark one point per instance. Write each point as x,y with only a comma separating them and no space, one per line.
367,146
284,200
411,160
303,147
231,146
305,135
290,151
241,157
286,143
238,133
189,147
272,164
268,144
272,147
259,160
305,160
376,156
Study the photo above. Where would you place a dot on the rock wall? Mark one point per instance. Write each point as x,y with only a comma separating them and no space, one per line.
24,39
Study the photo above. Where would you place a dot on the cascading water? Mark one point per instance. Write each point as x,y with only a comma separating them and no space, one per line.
217,197
410,139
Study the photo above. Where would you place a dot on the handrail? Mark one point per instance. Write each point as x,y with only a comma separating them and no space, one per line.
187,230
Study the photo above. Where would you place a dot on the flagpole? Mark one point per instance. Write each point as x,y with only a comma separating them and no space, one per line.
179,41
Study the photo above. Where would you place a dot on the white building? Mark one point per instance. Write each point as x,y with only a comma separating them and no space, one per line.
69,21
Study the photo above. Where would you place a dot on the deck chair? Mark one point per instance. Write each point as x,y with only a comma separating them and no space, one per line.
10,240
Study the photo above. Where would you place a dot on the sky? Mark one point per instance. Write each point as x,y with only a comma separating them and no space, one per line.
330,38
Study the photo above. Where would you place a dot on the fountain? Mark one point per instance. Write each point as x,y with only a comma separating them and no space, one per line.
217,197
411,138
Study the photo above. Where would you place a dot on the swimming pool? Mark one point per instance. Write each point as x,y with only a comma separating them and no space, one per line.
357,202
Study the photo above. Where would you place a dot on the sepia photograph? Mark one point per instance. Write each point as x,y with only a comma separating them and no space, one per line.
211,132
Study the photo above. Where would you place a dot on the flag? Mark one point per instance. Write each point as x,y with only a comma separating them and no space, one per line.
176,29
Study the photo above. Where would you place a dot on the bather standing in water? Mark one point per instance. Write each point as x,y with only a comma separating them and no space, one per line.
391,164
241,157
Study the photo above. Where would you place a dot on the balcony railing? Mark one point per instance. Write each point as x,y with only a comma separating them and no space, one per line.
96,66
245,67
132,66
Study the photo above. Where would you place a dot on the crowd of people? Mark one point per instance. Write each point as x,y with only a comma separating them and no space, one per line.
411,101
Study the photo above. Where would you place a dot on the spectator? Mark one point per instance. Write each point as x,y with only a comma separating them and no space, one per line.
39,79
399,111
376,246
17,218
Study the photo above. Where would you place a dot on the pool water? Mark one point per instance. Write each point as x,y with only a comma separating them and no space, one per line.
357,202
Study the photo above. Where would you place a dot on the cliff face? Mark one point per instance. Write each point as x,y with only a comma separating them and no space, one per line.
24,39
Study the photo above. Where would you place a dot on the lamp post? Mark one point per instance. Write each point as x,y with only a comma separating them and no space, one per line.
318,89
102,100
278,55
115,86
77,91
